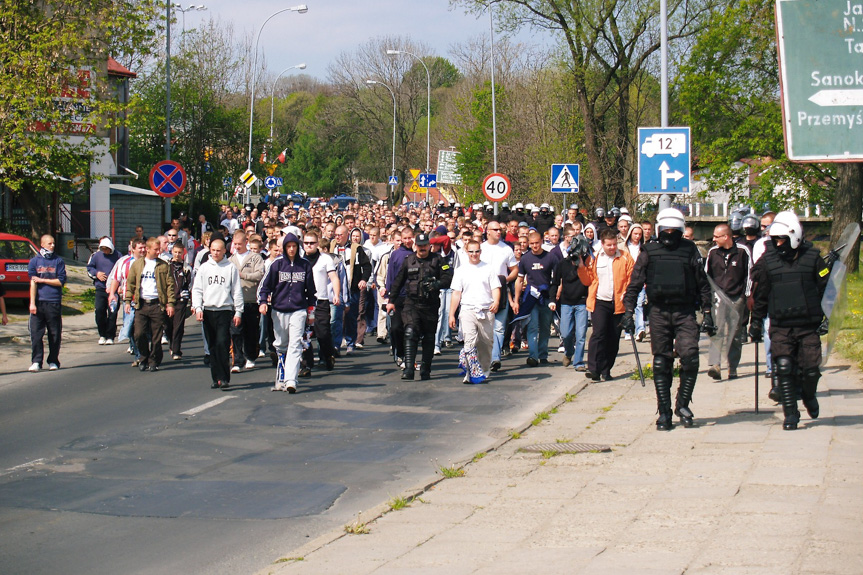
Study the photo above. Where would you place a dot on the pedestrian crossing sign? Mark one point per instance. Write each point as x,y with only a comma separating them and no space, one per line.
564,178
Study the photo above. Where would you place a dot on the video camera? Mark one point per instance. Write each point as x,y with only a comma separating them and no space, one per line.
579,248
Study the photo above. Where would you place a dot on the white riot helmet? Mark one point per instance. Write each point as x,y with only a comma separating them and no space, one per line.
670,219
786,224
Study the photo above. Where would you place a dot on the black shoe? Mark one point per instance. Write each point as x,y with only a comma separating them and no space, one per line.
142,366
225,385
408,375
154,368
495,365
732,375
216,385
425,376
382,340
812,407
605,376
331,363
664,423
592,375
774,395
206,360
505,352
532,362
543,362
685,416
305,372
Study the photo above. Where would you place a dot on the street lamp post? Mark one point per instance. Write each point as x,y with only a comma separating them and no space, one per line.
168,7
428,107
273,93
302,9
390,90
190,8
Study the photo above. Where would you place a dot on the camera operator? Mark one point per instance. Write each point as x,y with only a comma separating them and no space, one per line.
423,275
571,296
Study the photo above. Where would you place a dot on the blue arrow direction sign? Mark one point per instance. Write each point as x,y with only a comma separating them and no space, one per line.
270,182
664,160
564,178
394,181
431,180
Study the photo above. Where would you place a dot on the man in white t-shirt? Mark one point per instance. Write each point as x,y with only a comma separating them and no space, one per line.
497,254
327,288
476,286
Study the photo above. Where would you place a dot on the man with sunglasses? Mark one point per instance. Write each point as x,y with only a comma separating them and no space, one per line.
327,291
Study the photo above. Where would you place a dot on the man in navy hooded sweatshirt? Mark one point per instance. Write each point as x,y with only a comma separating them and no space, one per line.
98,268
47,273
289,287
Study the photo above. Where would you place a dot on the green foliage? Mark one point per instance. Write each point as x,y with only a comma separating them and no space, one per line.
451,472
475,143
849,341
729,91
54,83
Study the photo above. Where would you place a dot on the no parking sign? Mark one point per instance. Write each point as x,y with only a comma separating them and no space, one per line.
168,179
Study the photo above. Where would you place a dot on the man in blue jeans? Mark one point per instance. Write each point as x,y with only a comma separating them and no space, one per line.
534,282
571,297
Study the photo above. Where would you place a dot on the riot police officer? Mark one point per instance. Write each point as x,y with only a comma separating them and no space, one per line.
790,279
676,284
423,275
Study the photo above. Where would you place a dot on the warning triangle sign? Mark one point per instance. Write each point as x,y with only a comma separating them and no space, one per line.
565,180
415,174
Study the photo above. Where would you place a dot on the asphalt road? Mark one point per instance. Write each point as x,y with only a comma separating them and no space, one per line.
103,469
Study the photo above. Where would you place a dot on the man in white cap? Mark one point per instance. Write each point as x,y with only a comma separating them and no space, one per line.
98,268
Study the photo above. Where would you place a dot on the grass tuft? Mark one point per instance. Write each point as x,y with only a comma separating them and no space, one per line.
451,472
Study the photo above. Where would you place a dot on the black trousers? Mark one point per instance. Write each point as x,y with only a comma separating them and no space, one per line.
605,339
422,319
217,329
672,331
149,325
397,327
106,320
245,337
800,343
323,334
47,318
175,327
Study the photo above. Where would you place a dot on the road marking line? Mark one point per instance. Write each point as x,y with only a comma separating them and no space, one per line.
24,466
208,405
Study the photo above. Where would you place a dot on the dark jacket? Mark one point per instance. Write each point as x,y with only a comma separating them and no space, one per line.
395,264
730,269
100,262
291,283
565,274
50,267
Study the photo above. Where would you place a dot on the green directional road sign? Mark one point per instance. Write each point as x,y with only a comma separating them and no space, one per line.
821,61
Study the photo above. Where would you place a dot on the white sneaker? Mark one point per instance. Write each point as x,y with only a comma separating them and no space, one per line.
34,368
249,365
437,351
290,387
349,350
235,369
101,341
53,367
164,340
129,350
109,342
561,349
262,353
358,345
627,337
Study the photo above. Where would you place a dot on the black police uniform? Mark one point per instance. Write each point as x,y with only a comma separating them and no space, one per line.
676,286
789,290
423,278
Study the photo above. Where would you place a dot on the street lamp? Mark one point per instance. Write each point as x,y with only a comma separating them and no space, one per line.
168,7
302,9
273,93
390,90
189,8
428,107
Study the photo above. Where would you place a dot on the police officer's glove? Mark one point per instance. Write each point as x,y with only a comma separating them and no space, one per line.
707,325
824,327
756,330
628,322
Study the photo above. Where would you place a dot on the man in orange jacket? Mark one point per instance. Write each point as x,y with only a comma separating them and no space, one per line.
607,276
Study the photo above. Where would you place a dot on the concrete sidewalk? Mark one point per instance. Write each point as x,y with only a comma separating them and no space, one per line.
736,494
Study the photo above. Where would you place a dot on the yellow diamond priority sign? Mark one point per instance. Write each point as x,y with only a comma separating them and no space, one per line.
248,178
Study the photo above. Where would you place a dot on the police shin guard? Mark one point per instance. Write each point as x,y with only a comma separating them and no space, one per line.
810,386
688,375
662,373
785,382
428,354
410,353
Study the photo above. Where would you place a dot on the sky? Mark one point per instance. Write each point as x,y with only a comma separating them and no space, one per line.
331,27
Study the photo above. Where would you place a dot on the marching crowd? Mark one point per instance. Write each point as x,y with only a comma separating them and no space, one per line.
302,286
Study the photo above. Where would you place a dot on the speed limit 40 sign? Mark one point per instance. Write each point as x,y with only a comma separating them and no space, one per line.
496,187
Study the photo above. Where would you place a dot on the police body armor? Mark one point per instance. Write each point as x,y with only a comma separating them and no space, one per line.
794,299
422,285
670,277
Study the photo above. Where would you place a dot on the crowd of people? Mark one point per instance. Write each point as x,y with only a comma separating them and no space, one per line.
303,286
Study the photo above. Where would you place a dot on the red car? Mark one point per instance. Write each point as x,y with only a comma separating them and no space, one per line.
15,254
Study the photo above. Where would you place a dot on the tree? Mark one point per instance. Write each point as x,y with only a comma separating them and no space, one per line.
56,102
608,44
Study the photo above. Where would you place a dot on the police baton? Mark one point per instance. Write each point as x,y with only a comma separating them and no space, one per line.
637,361
756,376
